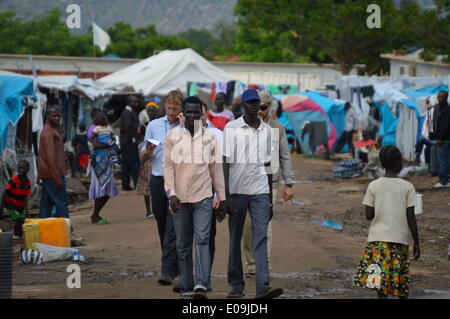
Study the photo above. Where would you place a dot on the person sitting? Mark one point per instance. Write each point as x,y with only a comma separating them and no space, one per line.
362,147
373,167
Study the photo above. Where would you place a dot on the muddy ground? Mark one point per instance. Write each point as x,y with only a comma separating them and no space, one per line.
308,260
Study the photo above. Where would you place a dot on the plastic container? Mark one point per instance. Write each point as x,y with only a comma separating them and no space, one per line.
6,265
52,231
31,235
419,204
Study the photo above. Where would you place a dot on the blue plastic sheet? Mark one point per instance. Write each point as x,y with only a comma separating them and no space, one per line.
12,91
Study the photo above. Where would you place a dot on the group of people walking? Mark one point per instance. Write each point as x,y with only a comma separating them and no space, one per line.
200,174
195,174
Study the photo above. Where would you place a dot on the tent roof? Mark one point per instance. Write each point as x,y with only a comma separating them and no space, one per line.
164,72
7,73
69,82
12,90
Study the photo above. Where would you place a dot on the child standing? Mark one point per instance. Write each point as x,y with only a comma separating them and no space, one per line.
80,144
390,202
15,197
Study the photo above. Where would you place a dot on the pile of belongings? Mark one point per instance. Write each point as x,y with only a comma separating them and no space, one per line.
348,169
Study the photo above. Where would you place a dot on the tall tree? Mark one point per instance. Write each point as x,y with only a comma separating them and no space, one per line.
435,28
338,28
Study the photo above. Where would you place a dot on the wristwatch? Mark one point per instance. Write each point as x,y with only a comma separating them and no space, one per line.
290,185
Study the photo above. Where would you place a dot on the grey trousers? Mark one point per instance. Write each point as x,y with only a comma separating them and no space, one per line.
258,207
193,222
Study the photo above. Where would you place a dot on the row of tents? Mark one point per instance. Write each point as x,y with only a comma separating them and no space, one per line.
23,100
401,102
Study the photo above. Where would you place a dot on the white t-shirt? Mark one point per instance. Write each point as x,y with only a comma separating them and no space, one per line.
248,149
390,197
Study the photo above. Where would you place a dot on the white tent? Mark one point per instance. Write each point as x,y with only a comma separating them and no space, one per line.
166,71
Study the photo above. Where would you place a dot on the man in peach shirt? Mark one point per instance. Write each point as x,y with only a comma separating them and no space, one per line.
191,170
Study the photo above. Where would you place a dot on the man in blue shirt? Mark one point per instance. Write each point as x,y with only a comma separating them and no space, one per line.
157,130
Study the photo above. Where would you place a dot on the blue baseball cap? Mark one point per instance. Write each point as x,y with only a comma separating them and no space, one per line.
250,95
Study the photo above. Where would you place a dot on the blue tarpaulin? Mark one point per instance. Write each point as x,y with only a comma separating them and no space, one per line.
323,109
12,91
333,108
388,129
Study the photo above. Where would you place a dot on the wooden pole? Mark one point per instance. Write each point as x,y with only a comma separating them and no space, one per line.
93,60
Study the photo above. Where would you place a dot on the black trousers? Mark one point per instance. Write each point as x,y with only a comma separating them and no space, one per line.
212,237
345,138
166,230
130,164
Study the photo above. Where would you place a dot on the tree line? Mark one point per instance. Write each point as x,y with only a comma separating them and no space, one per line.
320,31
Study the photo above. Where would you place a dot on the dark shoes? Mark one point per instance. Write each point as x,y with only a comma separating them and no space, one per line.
417,160
234,294
177,288
165,281
199,293
250,275
76,243
270,294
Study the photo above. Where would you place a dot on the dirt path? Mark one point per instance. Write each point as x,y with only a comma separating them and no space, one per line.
308,260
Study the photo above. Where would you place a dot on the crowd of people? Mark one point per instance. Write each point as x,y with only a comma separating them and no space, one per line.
195,166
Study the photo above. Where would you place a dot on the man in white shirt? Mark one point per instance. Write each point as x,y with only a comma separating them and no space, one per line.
247,154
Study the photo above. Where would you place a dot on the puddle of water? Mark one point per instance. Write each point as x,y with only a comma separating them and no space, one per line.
334,274
314,293
314,275
38,272
302,182
296,202
437,294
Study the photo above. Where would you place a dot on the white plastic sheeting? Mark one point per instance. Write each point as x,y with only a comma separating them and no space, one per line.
407,131
69,82
304,81
166,71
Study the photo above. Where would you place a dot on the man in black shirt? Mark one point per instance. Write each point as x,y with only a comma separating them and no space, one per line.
129,126
441,133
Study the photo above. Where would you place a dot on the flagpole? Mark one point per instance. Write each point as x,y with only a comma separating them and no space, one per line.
93,55
93,60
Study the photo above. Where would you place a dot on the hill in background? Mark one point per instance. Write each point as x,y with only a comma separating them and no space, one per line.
169,16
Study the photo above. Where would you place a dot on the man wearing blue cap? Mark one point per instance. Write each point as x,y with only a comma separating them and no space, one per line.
247,148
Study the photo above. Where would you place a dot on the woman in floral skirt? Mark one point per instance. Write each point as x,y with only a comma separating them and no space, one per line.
390,202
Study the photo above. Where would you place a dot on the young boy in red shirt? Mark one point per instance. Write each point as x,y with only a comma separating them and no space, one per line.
15,197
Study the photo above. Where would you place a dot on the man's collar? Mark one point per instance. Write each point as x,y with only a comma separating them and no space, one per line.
166,119
244,124
129,108
183,130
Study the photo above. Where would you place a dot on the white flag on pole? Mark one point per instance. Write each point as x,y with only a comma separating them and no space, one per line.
101,38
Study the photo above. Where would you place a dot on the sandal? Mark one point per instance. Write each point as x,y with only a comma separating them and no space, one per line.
102,221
